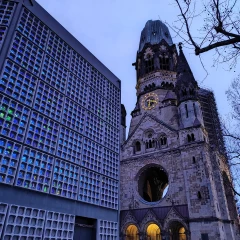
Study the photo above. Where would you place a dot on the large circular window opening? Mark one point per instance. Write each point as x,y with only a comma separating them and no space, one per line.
153,184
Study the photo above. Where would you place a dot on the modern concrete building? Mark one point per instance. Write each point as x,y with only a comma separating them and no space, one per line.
59,132
175,178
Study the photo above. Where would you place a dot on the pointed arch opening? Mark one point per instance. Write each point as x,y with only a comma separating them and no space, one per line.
177,231
132,232
153,232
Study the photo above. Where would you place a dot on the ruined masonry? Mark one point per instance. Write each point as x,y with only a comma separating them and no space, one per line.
175,176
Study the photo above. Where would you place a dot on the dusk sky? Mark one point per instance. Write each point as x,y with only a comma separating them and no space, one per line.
111,30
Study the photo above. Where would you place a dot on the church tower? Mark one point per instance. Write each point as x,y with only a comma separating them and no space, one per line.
173,161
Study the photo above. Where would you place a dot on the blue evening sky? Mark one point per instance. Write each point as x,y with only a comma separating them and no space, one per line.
111,29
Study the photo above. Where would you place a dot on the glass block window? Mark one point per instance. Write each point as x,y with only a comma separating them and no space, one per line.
58,49
92,155
80,67
35,170
49,101
109,193
54,73
13,118
112,115
94,127
73,115
65,179
3,32
110,163
9,156
77,90
3,214
18,83
113,94
33,28
42,133
96,103
108,230
7,9
98,81
69,145
89,187
59,226
26,54
24,223
111,138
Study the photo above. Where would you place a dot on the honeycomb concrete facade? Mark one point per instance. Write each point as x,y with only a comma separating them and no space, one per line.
167,132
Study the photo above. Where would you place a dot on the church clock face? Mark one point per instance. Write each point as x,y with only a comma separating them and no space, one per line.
149,101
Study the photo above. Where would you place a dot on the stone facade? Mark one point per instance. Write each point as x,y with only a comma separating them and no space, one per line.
171,176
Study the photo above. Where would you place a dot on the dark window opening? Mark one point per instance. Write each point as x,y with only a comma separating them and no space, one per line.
153,184
164,63
204,236
199,195
150,144
149,65
191,91
194,108
186,109
194,160
192,137
184,92
163,140
138,146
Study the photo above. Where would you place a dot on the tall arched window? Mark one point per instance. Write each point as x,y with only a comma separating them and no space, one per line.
163,140
164,63
132,233
138,146
149,65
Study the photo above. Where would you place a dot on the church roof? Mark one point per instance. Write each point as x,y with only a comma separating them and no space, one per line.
153,33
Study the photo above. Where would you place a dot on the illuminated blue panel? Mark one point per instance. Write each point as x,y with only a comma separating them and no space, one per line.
18,83
109,193
13,118
58,49
92,155
77,90
89,187
3,32
35,170
94,127
54,73
80,67
49,101
98,81
9,156
26,54
113,94
42,133
7,9
69,145
33,29
111,137
65,179
73,115
96,103
110,163
112,115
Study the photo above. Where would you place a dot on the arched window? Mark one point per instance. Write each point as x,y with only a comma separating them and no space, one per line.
149,65
132,233
184,92
163,140
164,63
153,232
192,137
182,234
138,146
